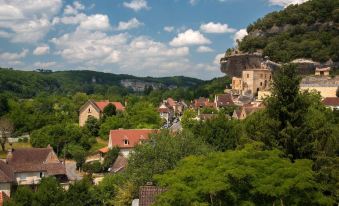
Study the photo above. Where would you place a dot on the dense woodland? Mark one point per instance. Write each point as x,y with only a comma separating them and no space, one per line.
308,30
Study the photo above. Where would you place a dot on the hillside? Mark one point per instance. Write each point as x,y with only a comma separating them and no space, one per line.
27,84
309,30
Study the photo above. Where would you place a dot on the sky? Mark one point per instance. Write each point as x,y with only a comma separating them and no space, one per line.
138,37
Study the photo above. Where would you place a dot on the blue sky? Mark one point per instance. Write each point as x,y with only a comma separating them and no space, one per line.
138,37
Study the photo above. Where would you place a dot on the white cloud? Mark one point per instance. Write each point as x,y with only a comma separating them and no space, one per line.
8,56
212,27
76,19
286,3
217,58
27,21
168,28
45,64
95,22
131,24
204,49
137,5
189,37
73,9
41,50
239,35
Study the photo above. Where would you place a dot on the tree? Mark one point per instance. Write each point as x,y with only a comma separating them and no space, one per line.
6,130
23,196
109,110
4,107
49,192
114,122
92,124
250,176
187,119
160,153
219,132
110,158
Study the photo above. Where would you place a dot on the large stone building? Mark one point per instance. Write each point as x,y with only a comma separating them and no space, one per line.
252,81
95,109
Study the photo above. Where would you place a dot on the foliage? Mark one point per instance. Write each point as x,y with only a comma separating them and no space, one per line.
108,188
298,31
92,125
187,119
92,167
110,158
109,110
59,135
250,176
4,107
220,132
6,130
114,122
160,153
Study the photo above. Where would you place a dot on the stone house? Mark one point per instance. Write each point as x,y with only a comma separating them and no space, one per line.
223,100
127,139
165,112
246,110
325,71
95,109
28,165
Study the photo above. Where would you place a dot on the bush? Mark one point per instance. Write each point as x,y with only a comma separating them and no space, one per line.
92,167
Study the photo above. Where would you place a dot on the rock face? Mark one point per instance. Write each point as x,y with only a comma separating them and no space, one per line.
234,64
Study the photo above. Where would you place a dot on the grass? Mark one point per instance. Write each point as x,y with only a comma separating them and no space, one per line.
98,145
16,145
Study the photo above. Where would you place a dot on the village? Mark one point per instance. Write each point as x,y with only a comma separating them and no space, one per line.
246,95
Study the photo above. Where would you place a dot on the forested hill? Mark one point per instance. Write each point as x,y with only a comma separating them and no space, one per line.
26,84
309,30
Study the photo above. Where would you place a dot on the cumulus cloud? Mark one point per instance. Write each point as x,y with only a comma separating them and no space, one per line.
131,24
136,5
73,9
189,37
204,49
8,56
219,28
27,21
95,22
239,35
45,64
41,50
168,28
286,3
217,58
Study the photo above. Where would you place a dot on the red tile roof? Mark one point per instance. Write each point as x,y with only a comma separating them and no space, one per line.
171,102
6,172
147,194
163,110
102,104
224,100
134,136
104,150
331,101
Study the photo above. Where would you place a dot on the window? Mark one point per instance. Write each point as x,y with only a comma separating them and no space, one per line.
261,75
248,75
126,142
89,110
260,83
41,174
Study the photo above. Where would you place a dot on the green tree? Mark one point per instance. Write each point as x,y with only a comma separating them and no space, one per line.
4,107
109,110
110,158
92,124
114,122
250,176
160,153
187,119
49,192
23,196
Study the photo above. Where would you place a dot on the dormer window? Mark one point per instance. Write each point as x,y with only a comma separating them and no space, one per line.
126,142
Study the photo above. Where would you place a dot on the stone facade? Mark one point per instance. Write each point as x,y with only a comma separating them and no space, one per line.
87,112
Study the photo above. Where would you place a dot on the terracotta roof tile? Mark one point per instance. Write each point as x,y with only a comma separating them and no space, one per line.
224,100
6,172
3,198
147,194
102,104
331,101
134,136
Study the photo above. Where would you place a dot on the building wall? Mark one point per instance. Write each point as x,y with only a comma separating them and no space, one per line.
237,84
86,112
263,94
255,80
6,188
125,152
28,178
324,91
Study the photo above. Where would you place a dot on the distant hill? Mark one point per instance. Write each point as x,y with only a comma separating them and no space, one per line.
26,84
309,30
